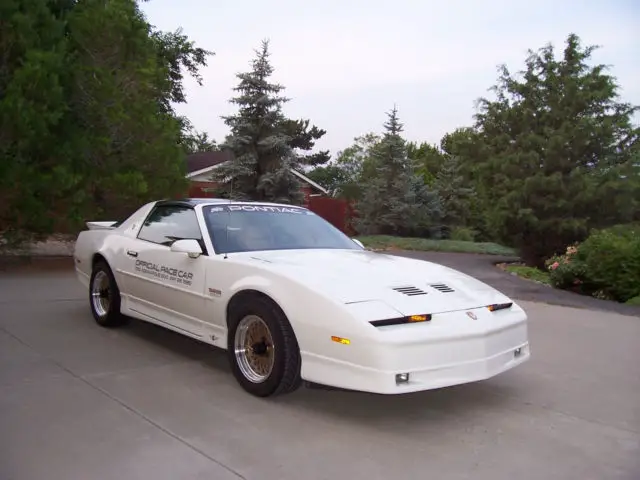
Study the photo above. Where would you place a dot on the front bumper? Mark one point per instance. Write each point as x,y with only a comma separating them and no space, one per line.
452,349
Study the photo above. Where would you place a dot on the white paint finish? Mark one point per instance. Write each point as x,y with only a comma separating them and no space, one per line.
166,285
325,293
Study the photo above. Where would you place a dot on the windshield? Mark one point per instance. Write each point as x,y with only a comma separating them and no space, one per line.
248,228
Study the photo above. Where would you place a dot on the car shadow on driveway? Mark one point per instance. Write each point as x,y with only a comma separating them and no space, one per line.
456,400
210,381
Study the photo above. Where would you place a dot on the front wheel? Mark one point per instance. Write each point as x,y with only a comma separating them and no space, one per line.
104,296
262,349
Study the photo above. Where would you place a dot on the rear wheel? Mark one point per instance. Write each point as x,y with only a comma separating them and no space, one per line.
104,296
262,349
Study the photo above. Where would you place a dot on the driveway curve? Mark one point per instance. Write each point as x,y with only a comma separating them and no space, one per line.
483,267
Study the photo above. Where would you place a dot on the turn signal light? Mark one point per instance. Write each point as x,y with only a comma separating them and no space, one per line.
499,306
343,341
401,320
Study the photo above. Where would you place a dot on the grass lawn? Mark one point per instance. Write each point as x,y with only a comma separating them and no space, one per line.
634,301
429,245
530,273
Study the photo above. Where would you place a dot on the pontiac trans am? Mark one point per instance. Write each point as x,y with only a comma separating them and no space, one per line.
291,299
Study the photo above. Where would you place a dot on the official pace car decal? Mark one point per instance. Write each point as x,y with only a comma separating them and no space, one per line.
164,273
260,208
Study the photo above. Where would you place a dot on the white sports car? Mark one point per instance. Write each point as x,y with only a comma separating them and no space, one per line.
292,298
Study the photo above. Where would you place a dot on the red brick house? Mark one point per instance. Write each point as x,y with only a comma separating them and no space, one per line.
200,166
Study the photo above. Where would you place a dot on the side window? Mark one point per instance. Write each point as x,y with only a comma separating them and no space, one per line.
167,224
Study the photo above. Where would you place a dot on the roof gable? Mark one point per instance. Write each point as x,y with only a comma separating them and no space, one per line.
205,162
202,160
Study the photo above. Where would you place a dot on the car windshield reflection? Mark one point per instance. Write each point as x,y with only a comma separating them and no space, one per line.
250,228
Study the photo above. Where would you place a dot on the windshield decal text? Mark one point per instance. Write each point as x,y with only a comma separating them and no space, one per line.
258,208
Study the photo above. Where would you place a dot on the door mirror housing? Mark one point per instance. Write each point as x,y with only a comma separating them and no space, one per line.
189,246
358,242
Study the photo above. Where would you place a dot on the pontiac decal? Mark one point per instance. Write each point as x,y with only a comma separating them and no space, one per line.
258,208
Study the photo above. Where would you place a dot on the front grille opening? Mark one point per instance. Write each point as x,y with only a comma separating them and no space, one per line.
410,291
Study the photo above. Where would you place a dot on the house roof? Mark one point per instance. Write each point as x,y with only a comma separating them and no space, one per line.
204,162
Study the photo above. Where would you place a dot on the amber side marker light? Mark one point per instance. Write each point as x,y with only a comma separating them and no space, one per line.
343,341
499,306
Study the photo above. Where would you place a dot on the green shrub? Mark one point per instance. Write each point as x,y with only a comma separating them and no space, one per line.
463,234
611,259
567,271
634,301
606,265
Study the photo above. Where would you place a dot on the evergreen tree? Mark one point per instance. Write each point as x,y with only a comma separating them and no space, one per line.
394,199
261,150
550,151
303,137
454,192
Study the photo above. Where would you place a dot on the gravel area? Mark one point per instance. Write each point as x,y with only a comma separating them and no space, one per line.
54,246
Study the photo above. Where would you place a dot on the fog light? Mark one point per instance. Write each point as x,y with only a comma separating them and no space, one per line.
402,378
517,352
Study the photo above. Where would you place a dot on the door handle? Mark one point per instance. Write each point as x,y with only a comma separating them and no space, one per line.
131,253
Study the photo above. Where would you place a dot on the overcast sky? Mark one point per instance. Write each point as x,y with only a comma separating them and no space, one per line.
345,63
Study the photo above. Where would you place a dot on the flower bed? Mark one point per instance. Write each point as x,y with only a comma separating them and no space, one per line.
606,265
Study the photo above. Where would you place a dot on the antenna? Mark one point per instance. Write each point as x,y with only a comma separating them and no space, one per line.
226,235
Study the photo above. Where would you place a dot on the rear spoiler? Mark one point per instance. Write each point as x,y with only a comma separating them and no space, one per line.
101,225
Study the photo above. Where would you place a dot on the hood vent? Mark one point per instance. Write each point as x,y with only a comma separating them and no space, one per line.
441,287
410,291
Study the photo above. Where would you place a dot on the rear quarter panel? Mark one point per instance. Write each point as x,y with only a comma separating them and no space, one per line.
111,244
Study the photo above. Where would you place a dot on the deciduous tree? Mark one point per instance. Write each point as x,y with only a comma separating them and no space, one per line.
85,124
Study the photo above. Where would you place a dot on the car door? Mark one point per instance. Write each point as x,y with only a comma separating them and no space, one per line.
167,286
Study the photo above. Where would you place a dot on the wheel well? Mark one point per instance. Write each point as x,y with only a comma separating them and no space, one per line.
97,258
246,296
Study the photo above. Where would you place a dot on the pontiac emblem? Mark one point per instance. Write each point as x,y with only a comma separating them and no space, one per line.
472,316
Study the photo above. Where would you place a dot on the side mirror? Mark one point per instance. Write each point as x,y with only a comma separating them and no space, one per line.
358,242
189,246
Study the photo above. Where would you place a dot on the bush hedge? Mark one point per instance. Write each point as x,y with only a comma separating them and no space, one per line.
605,265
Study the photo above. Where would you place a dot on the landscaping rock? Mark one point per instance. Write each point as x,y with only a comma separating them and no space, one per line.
54,246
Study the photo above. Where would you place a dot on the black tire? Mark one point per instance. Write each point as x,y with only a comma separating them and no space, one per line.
111,317
284,376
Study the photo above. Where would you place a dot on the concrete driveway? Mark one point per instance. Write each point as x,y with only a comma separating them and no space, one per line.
81,402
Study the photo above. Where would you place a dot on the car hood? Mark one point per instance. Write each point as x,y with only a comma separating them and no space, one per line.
409,286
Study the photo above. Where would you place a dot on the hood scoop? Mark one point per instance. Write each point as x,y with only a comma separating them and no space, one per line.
409,291
441,287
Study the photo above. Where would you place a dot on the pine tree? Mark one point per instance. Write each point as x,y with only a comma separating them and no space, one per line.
262,156
394,200
550,151
454,192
